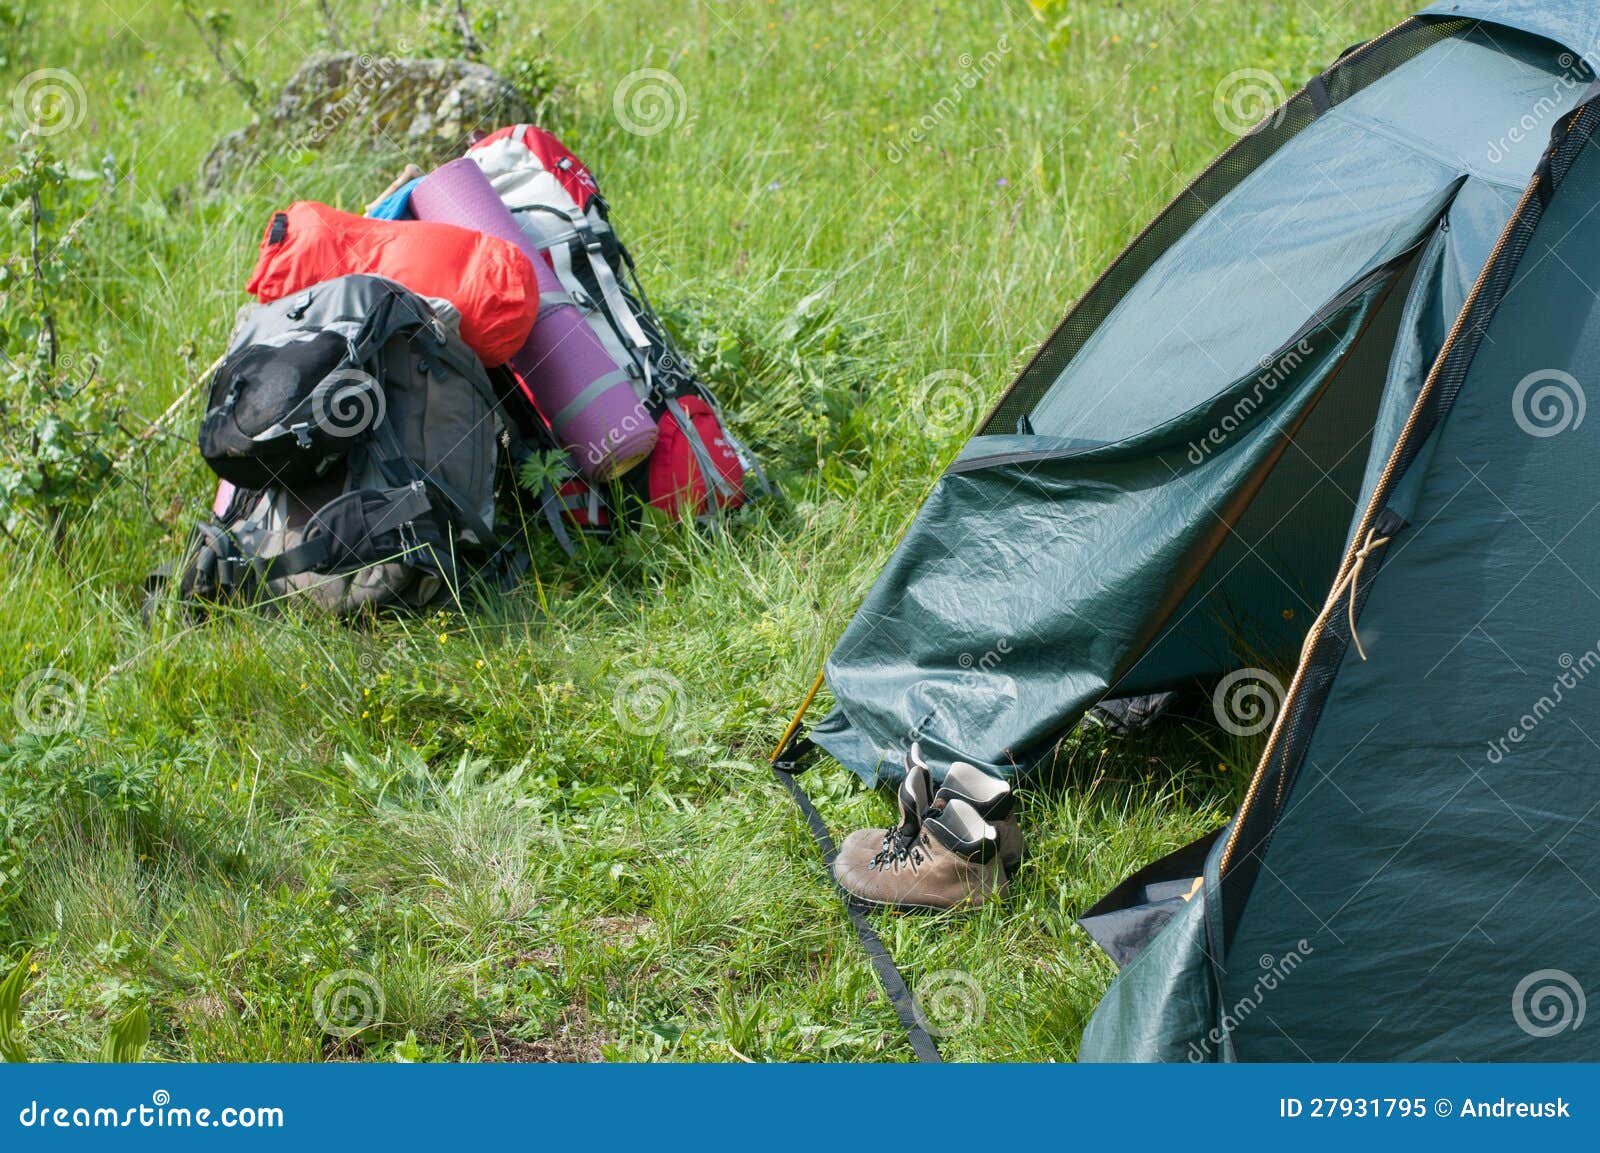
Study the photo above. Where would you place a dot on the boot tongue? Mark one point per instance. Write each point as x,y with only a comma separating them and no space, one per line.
900,840
916,792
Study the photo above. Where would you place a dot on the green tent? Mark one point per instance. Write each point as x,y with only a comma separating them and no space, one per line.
1326,411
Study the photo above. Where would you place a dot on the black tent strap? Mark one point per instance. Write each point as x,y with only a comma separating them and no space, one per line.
795,756
1317,90
922,1043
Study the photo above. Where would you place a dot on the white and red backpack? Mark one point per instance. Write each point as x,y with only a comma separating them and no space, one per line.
697,467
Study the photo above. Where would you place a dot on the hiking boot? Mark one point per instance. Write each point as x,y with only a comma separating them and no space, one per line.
915,792
949,859
991,798
916,795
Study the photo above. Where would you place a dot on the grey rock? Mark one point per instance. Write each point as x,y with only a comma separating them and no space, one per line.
420,109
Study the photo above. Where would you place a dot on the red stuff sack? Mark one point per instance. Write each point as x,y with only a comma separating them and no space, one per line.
486,279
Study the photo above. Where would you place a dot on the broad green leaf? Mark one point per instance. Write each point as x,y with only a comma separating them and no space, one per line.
11,1011
128,1038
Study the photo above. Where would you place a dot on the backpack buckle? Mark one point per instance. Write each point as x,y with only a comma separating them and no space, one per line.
302,434
230,571
586,235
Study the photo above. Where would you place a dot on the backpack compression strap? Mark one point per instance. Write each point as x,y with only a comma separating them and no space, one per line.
392,458
235,567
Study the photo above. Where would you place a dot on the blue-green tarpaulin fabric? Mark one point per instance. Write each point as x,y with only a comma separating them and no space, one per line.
1044,568
1163,1006
1439,846
1574,23
1074,549
1431,868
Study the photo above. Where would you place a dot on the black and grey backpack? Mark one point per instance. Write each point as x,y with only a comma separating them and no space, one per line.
356,437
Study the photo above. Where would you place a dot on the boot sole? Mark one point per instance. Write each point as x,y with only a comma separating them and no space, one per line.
967,906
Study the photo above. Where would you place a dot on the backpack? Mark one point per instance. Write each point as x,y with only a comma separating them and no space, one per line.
356,436
697,466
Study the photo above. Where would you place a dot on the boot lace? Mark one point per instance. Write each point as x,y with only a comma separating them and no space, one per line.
902,845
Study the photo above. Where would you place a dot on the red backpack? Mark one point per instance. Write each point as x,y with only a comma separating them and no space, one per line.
682,463
698,467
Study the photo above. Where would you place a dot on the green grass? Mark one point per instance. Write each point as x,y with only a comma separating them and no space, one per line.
448,806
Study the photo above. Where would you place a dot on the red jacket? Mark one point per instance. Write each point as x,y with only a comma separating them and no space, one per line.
489,281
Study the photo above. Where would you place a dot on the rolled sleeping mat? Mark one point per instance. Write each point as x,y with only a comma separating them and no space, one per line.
590,403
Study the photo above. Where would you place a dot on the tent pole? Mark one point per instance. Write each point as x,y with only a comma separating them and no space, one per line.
794,725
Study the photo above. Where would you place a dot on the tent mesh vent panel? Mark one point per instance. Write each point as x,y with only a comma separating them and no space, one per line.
1342,81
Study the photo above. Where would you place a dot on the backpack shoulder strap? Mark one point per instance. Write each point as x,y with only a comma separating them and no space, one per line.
588,237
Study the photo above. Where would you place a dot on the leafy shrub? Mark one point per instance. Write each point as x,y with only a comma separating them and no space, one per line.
449,29
56,778
126,1040
60,425
791,382
528,68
